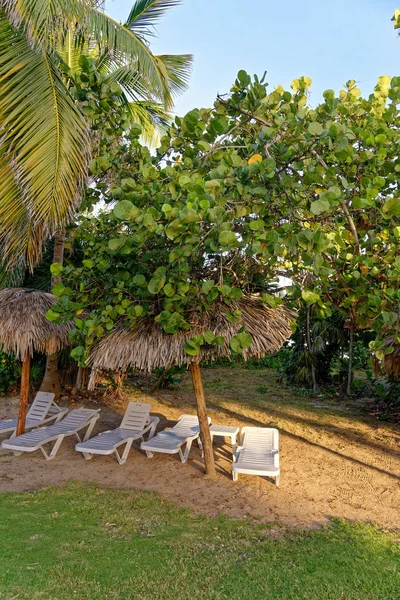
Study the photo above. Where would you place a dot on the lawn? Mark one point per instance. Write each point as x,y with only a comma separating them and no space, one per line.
89,543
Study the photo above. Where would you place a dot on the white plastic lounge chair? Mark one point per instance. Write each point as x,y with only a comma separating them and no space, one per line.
76,420
258,453
170,441
136,422
43,410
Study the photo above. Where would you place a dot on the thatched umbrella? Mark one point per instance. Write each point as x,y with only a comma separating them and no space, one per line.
147,347
24,328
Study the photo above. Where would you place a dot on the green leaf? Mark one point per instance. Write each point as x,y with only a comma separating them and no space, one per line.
116,243
315,128
245,339
88,264
52,316
257,224
235,345
207,286
192,348
319,206
236,293
139,280
310,296
213,186
58,290
227,238
209,337
78,352
244,78
392,207
56,269
156,284
125,210
169,290
128,184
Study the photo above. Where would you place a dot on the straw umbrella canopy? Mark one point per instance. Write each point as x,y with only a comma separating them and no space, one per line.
147,347
24,328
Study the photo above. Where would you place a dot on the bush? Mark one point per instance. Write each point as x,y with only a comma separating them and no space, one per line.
10,371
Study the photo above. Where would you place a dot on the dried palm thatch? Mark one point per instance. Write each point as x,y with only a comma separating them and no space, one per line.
147,347
23,324
391,362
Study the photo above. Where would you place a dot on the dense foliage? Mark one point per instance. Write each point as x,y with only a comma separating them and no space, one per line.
9,372
260,186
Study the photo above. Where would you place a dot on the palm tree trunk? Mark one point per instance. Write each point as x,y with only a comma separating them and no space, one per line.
309,347
82,378
350,371
51,380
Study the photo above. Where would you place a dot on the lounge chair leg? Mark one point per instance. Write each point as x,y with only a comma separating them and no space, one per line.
201,445
277,480
122,459
89,430
87,456
234,476
184,456
149,454
54,450
152,430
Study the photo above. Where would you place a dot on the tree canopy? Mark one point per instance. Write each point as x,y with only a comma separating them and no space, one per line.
45,142
259,186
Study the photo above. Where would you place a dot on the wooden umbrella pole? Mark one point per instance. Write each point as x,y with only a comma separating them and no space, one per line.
203,421
23,404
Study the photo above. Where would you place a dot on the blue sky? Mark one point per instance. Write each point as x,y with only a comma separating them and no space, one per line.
330,42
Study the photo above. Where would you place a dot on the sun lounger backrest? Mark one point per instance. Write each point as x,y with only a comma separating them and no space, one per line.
187,425
74,418
136,416
40,406
260,438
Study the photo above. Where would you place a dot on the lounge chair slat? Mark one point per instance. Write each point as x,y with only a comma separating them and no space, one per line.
135,424
258,453
34,440
171,441
43,410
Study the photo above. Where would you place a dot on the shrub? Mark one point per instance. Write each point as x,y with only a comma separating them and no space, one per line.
10,371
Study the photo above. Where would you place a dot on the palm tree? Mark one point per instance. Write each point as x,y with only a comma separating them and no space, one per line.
44,141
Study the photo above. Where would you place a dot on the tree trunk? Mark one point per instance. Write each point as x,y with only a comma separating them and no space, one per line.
58,254
202,414
119,379
24,394
51,380
82,378
309,347
350,371
160,379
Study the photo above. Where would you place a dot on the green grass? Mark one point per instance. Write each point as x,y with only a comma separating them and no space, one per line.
89,543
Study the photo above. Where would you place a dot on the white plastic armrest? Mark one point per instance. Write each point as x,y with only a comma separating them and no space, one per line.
275,454
151,427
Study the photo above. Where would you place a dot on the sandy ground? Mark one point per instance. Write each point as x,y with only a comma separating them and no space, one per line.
331,465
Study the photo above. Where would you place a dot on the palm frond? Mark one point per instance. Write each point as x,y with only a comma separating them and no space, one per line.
153,119
178,68
121,42
45,140
145,14
20,240
42,19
